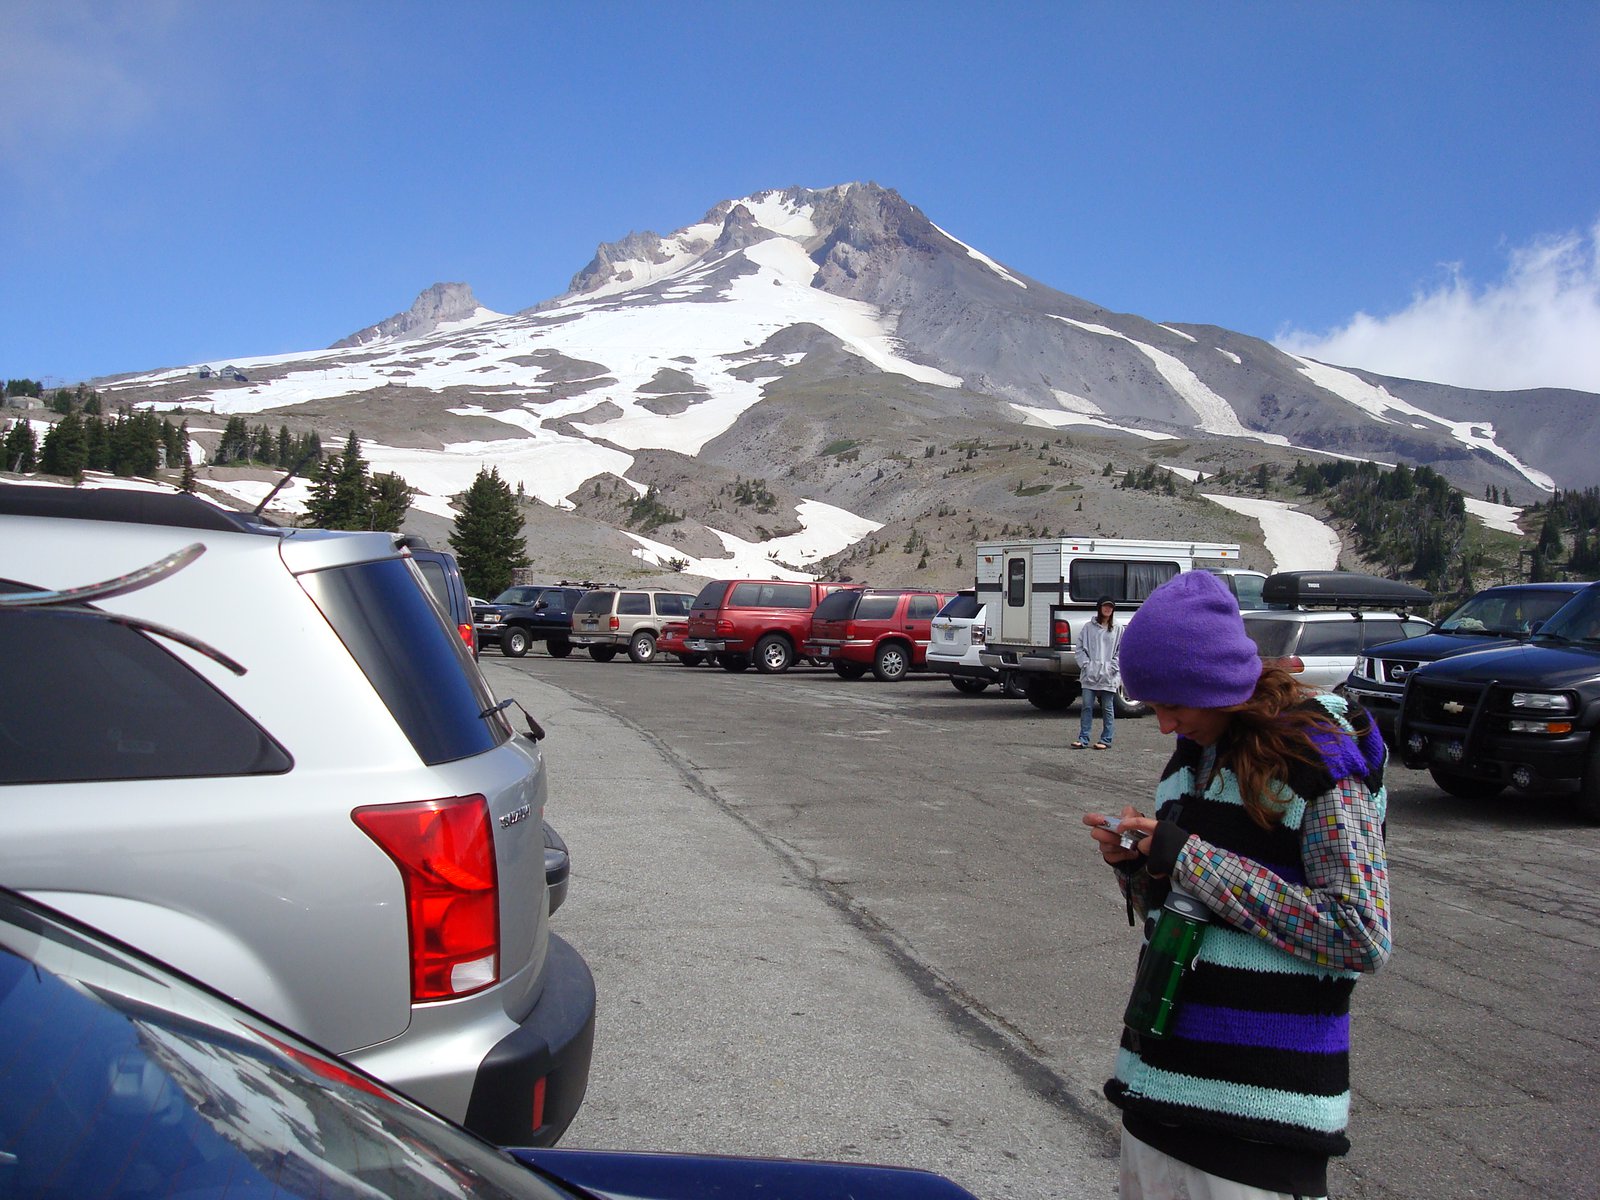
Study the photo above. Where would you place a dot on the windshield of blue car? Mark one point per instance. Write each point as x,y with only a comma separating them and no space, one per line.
123,1080
1578,620
1504,614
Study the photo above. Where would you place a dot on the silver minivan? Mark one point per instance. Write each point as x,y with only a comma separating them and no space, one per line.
270,762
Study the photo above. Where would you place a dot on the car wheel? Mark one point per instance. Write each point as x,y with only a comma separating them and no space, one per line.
643,647
774,655
970,686
734,662
891,662
849,670
1465,787
691,660
1589,789
1126,706
602,653
558,649
514,642
1049,695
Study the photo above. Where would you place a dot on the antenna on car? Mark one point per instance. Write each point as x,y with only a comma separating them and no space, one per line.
287,475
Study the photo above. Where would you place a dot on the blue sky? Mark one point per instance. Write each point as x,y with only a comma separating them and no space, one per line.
1413,187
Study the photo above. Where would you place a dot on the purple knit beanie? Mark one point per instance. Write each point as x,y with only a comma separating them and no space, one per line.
1187,646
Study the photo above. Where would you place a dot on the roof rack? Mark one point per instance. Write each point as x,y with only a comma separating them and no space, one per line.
1340,589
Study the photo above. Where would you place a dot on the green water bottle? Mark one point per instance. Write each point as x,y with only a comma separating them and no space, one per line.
1167,959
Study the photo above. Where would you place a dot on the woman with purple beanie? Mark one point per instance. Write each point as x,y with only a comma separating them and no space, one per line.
1271,813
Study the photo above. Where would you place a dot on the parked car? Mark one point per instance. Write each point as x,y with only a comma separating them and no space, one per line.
956,640
674,640
608,620
268,759
125,1080
1245,585
523,615
1496,616
1526,714
1322,620
443,576
860,629
761,621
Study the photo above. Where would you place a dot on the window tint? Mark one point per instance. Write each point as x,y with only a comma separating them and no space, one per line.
517,595
1247,589
1415,628
711,595
433,573
105,702
593,602
1088,579
1016,582
876,608
423,673
634,604
1319,639
837,606
922,608
557,597
961,607
1375,632
1274,639
771,595
672,604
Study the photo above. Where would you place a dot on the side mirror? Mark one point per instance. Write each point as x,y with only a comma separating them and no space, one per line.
538,604
1535,626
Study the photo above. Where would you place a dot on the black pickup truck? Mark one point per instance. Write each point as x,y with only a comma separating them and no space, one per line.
522,615
1524,715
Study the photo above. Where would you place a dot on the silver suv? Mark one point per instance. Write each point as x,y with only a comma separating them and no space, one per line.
609,620
276,767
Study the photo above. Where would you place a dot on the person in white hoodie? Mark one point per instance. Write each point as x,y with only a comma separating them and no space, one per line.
1097,648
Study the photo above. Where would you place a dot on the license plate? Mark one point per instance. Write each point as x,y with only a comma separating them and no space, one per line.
949,633
824,651
698,644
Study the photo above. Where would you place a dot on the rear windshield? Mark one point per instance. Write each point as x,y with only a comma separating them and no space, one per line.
594,602
770,595
421,670
1274,639
105,702
961,607
711,595
837,606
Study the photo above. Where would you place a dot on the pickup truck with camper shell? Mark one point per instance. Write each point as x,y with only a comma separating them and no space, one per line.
1525,715
761,622
882,630
1038,590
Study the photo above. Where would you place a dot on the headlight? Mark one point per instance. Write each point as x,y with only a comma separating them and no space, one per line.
1363,669
1542,701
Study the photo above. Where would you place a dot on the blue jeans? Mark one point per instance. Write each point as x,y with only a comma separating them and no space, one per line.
1106,702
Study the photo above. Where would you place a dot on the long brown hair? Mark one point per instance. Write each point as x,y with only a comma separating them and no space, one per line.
1267,736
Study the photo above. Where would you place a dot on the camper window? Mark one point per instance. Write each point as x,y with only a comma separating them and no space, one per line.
1089,579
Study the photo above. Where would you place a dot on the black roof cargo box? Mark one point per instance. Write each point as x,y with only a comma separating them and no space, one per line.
1340,589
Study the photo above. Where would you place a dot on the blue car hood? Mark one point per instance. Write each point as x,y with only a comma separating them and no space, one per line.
1545,665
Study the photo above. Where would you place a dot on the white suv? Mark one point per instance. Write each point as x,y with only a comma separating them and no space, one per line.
1321,621
277,768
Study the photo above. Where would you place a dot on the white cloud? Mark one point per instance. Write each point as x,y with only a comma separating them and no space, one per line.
1538,326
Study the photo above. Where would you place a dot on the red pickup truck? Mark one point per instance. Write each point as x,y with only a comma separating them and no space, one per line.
764,622
870,628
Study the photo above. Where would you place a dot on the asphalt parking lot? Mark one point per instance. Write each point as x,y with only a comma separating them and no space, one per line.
863,921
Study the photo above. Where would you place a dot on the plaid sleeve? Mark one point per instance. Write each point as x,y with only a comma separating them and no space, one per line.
1339,918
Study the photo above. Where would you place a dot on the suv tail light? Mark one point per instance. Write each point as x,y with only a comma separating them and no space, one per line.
615,624
1292,664
1060,634
724,627
445,852
979,635
468,635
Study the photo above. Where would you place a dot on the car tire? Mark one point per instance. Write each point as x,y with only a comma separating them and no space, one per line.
892,662
1465,787
558,649
969,686
1588,798
774,654
734,662
1125,705
514,642
643,647
691,660
849,670
1049,695
602,653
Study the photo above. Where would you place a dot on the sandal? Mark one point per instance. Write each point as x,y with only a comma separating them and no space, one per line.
1102,745
1080,745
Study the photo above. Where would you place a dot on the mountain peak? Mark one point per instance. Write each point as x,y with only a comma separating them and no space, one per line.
433,307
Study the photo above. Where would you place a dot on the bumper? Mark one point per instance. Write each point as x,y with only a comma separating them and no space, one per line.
1499,756
957,669
554,1044
1032,660
697,645
1382,705
597,639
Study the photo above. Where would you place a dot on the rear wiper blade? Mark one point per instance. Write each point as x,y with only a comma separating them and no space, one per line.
159,630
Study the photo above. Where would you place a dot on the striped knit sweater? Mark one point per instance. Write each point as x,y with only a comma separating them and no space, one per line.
1260,1048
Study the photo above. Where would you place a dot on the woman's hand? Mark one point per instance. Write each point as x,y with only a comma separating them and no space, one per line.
1131,821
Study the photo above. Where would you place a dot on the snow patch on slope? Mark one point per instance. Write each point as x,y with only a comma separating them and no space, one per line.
1056,419
1297,541
983,258
826,530
1501,517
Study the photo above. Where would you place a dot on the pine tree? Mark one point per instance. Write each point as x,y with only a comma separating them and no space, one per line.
487,538
21,448
391,497
66,448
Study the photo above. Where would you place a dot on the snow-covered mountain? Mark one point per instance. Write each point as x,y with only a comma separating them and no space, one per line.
838,306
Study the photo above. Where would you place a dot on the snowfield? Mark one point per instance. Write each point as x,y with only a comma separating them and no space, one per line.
1297,541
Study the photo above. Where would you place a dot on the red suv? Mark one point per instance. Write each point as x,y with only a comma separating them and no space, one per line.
887,631
765,621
